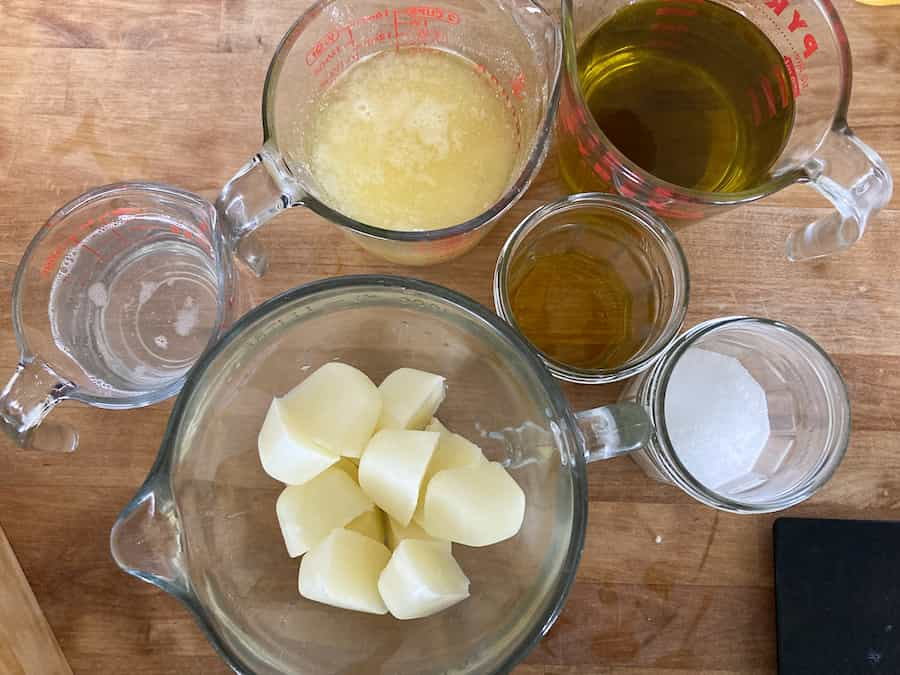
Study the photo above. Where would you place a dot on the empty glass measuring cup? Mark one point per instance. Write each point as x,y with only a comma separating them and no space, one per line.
513,44
820,148
113,301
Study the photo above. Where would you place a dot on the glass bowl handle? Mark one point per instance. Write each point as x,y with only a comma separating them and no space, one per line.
614,430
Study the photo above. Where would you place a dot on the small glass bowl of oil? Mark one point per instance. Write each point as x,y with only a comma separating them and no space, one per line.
596,283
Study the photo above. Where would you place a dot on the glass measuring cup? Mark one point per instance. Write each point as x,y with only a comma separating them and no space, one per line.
808,413
203,526
645,254
516,46
821,149
113,301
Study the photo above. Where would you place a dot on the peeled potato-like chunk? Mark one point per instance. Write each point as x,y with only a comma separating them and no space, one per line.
409,397
453,451
286,453
421,579
349,467
308,513
343,570
335,408
397,533
474,505
392,468
370,523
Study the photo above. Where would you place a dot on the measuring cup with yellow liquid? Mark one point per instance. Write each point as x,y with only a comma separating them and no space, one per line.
413,127
114,300
695,106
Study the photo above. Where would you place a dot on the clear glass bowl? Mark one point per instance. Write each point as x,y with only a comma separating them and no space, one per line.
203,526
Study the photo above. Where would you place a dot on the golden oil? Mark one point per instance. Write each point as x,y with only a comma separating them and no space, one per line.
689,90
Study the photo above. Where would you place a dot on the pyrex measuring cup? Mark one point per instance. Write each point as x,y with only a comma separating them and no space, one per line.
113,301
516,46
821,149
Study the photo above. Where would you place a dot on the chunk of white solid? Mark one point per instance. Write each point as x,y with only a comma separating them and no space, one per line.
421,579
397,533
308,513
343,571
392,468
474,505
409,398
453,451
335,408
286,454
348,466
370,523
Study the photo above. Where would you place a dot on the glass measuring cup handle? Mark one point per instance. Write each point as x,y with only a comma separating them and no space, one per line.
856,181
256,193
32,392
613,430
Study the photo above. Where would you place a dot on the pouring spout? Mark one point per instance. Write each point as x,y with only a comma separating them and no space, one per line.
146,540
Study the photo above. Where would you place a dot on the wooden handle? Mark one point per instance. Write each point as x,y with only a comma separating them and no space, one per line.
27,645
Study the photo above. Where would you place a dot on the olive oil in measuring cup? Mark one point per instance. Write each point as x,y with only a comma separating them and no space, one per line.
412,139
691,92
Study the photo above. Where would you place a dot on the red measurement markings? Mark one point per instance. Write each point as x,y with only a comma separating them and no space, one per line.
792,73
768,93
782,86
676,11
669,27
754,106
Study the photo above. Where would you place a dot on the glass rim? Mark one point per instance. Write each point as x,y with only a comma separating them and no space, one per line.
776,182
680,474
540,143
224,272
648,222
160,473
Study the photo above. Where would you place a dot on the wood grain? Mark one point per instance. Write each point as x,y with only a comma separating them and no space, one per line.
94,91
27,645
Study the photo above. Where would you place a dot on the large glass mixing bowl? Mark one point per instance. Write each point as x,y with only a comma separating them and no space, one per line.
203,526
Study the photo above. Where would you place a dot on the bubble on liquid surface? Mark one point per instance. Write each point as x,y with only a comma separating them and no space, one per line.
161,341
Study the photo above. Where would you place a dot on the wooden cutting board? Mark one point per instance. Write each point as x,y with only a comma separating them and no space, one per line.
27,645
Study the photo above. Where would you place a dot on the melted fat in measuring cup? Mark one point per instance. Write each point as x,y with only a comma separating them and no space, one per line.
412,139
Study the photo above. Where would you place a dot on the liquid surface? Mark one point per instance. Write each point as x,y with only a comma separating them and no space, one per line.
583,298
134,305
412,139
692,92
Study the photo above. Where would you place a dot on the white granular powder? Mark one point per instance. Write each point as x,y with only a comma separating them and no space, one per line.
717,417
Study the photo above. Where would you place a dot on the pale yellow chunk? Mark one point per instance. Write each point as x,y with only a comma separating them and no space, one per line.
421,579
474,505
348,466
392,468
397,533
335,408
343,571
308,513
285,452
370,523
410,398
453,452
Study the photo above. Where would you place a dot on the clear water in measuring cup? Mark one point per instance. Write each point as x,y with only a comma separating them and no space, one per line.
134,303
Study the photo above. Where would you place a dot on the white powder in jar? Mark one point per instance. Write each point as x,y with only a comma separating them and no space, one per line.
717,417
